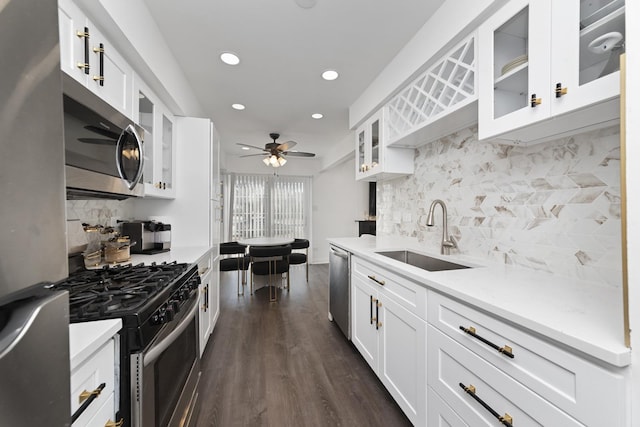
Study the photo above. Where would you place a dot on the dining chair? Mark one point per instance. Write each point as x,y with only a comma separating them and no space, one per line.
239,261
297,258
269,261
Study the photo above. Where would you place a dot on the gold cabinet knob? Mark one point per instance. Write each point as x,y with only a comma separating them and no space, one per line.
114,423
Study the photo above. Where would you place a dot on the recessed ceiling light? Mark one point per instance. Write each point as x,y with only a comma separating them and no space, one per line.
317,116
229,58
330,75
237,106
245,148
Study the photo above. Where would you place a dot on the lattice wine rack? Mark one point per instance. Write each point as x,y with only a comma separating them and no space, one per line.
438,91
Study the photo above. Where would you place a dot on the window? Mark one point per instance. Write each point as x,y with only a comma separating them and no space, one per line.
268,205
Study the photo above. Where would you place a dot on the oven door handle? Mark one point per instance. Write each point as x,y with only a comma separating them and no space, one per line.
155,352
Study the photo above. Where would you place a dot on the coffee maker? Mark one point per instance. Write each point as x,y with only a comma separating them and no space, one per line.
147,237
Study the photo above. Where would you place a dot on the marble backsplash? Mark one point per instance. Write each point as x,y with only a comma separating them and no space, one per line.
102,212
553,206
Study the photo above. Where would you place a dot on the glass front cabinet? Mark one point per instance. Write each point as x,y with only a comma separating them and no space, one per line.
547,58
159,144
375,160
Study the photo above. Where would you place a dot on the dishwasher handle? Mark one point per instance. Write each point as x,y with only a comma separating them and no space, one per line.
339,253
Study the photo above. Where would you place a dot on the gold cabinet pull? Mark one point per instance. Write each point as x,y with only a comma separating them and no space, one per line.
87,394
114,423
535,101
560,90
505,419
506,350
84,35
379,282
85,399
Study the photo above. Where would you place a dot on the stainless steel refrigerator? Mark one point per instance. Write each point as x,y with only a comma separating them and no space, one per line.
34,322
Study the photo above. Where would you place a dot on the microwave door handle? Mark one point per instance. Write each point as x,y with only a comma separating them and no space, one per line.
130,130
152,355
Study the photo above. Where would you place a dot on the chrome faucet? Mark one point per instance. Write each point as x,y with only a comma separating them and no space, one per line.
447,240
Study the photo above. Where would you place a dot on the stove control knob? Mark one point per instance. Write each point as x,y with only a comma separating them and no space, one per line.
169,313
175,305
155,319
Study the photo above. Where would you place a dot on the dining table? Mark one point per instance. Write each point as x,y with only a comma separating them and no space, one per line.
266,241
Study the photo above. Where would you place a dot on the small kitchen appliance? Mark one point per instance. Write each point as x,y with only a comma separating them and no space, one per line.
150,237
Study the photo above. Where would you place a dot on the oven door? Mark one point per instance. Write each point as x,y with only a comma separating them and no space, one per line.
165,376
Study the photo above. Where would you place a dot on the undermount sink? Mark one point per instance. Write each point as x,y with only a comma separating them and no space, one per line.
422,261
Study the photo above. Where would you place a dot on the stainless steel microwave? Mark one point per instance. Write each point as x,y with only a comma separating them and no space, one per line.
103,148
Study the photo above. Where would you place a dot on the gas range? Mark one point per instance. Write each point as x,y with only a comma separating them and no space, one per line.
158,306
145,297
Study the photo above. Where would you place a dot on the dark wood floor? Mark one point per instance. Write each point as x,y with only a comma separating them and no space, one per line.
286,364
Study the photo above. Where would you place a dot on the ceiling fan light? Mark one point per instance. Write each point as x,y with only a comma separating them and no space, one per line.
281,161
273,160
266,161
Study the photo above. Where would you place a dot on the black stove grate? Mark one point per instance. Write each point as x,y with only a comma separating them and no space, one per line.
117,291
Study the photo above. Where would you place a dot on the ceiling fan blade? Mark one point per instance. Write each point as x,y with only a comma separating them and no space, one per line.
252,155
298,154
286,145
251,146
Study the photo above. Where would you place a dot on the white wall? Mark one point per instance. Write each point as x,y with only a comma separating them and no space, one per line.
338,201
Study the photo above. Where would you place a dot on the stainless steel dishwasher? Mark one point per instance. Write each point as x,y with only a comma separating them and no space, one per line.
339,289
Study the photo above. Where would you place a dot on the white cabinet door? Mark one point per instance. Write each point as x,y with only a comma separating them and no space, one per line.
74,41
204,314
111,77
513,57
589,75
402,365
88,57
363,329
542,59
159,143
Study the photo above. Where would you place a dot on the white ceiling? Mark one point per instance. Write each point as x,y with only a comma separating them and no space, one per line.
283,49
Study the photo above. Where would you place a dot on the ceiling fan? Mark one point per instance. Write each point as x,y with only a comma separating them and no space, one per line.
275,152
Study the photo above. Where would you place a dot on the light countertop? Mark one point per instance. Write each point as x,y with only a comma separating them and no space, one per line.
87,337
583,315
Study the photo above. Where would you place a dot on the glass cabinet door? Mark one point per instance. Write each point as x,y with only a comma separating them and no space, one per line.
589,37
514,46
375,143
361,151
146,110
167,153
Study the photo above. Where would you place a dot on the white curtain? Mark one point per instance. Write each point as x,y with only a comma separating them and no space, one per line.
267,205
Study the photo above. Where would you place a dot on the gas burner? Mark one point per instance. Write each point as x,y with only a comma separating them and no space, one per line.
118,291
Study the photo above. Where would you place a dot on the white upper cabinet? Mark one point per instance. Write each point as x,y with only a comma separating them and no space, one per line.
88,57
159,143
541,59
375,159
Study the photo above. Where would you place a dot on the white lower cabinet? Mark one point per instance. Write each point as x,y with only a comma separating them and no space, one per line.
391,339
209,300
439,414
534,381
87,378
478,368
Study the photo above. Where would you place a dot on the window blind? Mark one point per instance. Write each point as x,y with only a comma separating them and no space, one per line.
269,205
